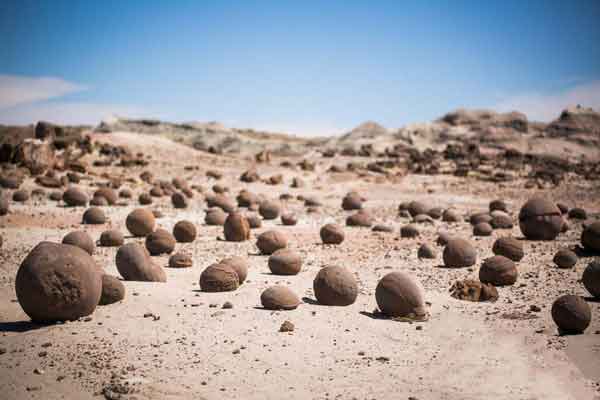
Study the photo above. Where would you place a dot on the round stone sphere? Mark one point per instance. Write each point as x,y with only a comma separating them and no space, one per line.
450,215
160,242
20,196
352,201
145,199
577,213
215,217
426,251
236,228
113,290
335,286
140,222
270,241
75,197
246,198
498,205
509,247
565,258
239,264
98,201
399,295
254,221
94,216
184,231
285,262
499,271
219,278
111,238
221,201
179,200
361,219
571,313
332,234
591,278
58,282
479,218
482,229
417,207
125,194
383,228
81,240
109,194
279,298
501,220
443,238
269,209
409,231
590,237
540,219
289,219
134,264
459,253
180,260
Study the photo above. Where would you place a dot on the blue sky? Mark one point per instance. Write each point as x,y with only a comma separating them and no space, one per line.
306,67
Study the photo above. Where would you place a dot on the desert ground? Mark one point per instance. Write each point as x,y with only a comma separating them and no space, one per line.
171,340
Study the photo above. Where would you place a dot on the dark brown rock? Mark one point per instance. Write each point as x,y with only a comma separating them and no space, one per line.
399,295
352,201
482,229
565,258
113,290
140,222
185,231
571,313
540,219
577,213
215,216
81,240
332,234
240,266
590,237
498,271
269,210
472,290
426,251
361,219
180,260
459,253
591,278
109,194
409,231
289,219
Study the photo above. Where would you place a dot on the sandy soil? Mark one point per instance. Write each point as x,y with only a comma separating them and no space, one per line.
191,347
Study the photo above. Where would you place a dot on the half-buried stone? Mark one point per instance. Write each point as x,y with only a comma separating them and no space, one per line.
75,197
111,238
335,286
80,239
399,295
285,262
219,278
58,282
134,264
540,219
94,216
160,242
270,241
459,253
140,222
113,290
279,298
498,271
180,260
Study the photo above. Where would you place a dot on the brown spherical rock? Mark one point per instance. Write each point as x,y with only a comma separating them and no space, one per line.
482,229
279,298
240,266
443,238
134,264
426,251
185,231
113,290
500,220
254,221
459,253
590,237
577,213
399,295
75,197
540,219
285,262
145,199
479,218
435,213
94,216
98,201
383,228
269,209
246,198
571,313
289,219
179,200
270,241
409,231
221,201
565,258
125,194
109,194
332,234
81,240
180,260
352,201
360,219
498,205
215,217
591,278
156,191
451,216
111,238
509,247
236,228
20,196
58,282
335,286
160,242
416,207
219,278
140,222
498,270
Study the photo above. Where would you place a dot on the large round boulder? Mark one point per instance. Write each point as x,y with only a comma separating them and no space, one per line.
113,290
590,237
335,286
75,197
279,298
591,278
185,231
58,282
269,209
140,222
236,228
239,264
285,262
540,219
571,313
360,219
80,239
94,216
509,247
160,242
332,234
499,271
399,295
111,238
215,216
459,253
270,241
219,278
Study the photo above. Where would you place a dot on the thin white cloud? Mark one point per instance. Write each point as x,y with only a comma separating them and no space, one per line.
68,113
19,90
545,108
